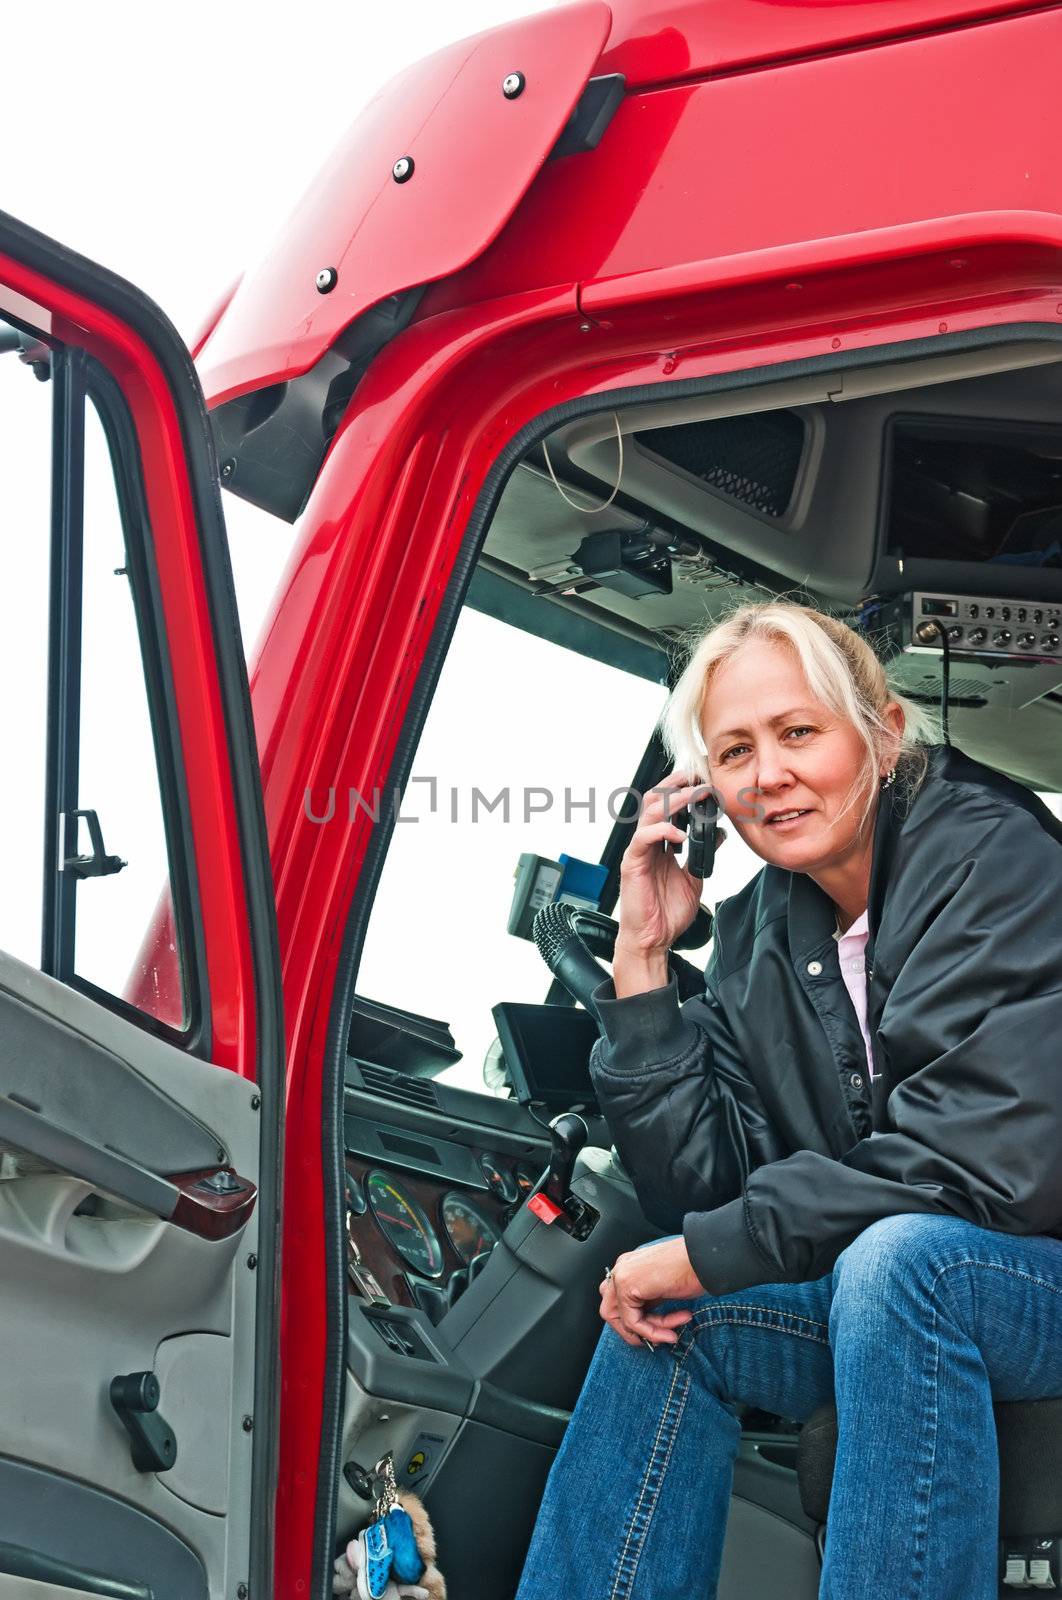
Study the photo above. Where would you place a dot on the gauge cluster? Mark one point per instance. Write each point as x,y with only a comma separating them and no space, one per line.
414,1240
469,1230
404,1223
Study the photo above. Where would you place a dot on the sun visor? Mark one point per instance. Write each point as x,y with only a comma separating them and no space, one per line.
423,182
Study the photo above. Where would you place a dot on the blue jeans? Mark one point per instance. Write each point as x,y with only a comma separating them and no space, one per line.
921,1323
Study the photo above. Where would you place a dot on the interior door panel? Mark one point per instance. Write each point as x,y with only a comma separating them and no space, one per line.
150,1297
13,1588
64,1535
103,1103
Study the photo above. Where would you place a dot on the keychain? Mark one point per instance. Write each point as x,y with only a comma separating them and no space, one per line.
394,1557
390,1544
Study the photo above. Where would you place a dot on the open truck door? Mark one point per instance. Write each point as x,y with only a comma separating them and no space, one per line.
141,1040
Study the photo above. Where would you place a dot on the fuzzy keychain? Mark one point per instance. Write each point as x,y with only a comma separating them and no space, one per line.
394,1557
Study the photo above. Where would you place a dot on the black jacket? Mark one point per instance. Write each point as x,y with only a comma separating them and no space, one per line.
744,1116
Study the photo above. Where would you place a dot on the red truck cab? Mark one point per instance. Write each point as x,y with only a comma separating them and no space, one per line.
593,325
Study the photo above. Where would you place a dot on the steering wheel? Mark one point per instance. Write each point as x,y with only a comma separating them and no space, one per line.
572,941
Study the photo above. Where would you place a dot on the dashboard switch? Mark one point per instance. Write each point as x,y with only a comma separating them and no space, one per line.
545,1209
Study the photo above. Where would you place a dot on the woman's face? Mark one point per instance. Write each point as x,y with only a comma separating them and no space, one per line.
775,750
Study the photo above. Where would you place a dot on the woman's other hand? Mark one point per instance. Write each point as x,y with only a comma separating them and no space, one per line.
641,1279
658,897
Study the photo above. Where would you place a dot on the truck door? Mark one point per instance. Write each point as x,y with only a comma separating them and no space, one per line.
141,1064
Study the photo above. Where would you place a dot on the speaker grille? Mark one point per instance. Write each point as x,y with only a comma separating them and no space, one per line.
753,459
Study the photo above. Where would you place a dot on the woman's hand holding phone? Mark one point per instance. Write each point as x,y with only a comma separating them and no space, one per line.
658,897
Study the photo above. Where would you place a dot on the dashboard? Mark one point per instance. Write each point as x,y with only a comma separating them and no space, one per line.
416,1240
434,1174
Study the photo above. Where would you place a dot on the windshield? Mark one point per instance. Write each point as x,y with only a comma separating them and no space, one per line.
525,749
524,744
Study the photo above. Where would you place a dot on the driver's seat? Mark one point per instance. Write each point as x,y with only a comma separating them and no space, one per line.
1029,1433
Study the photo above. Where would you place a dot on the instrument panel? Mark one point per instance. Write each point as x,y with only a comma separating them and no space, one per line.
404,1223
469,1230
409,1230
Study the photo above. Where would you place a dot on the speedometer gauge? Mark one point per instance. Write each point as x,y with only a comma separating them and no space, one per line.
404,1224
471,1233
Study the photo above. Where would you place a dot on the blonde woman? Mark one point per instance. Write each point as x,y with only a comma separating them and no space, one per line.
855,1135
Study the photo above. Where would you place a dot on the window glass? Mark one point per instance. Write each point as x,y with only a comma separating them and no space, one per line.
516,716
118,774
25,494
114,932
259,547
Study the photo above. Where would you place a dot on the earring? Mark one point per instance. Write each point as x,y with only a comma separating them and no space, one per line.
887,781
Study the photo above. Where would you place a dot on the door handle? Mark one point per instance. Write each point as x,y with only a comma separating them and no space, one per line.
98,864
213,1203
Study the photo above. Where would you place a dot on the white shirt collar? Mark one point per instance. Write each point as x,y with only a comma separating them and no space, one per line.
860,928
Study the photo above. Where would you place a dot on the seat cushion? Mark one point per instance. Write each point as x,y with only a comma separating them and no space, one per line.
1029,1433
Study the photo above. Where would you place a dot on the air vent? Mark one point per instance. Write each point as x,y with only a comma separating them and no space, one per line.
390,1085
752,459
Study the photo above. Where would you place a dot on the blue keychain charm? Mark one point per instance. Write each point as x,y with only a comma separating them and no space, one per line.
393,1558
377,1562
389,1545
408,1563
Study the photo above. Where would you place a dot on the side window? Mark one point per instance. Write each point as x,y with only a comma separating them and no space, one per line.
117,770
25,494
88,888
524,745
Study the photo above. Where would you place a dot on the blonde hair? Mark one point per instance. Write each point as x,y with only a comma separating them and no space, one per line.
842,672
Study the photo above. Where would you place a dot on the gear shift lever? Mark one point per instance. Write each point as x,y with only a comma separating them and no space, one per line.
551,1199
567,1135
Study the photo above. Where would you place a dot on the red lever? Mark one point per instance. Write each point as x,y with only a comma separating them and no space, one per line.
544,1208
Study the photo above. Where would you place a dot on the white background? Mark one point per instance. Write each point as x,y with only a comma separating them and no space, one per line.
170,142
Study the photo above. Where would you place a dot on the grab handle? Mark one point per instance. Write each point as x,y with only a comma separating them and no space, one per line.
213,1203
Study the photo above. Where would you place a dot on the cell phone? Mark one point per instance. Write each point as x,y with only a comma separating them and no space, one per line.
699,820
